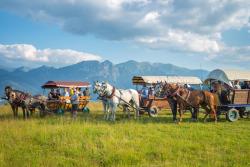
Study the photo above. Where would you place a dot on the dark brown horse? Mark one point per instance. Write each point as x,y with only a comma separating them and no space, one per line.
194,99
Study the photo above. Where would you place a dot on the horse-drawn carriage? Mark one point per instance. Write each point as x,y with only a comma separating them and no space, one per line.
63,103
152,104
234,102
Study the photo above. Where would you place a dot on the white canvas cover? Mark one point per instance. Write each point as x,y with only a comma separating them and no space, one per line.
170,79
227,76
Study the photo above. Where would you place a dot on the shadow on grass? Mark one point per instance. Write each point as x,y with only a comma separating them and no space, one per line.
97,117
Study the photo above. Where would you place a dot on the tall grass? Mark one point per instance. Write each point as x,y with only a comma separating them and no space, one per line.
91,141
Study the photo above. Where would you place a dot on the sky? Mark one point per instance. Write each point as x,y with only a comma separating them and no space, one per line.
192,33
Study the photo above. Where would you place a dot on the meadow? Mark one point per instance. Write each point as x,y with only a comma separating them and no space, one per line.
90,141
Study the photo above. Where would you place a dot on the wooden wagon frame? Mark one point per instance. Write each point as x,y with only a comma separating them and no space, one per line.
63,103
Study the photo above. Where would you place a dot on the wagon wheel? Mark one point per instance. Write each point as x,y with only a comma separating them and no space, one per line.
153,111
232,115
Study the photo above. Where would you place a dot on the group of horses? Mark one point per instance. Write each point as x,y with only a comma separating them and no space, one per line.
185,98
26,101
128,99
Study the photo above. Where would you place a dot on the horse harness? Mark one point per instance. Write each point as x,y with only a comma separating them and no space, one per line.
185,99
111,95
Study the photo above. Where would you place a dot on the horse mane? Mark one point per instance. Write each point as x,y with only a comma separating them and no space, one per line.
21,92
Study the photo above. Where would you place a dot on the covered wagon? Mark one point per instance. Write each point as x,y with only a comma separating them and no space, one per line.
152,104
235,102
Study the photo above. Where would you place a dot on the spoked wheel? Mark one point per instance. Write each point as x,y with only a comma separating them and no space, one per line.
153,111
232,115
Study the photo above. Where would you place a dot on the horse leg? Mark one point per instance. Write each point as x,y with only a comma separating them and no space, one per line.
127,110
24,113
104,110
213,112
16,111
124,111
28,112
173,106
114,107
195,113
13,110
107,111
207,113
180,112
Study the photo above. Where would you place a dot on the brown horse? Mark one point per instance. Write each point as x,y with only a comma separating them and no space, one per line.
194,99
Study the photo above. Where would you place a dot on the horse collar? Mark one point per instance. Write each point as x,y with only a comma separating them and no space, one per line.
112,94
175,92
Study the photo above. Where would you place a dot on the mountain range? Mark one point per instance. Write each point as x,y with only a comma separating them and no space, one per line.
30,80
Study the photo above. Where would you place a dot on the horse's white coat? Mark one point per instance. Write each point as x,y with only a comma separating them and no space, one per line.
121,97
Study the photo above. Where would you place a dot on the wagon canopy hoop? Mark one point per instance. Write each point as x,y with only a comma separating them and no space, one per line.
226,76
141,80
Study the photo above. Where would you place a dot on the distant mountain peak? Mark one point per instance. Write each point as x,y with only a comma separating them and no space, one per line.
119,75
22,69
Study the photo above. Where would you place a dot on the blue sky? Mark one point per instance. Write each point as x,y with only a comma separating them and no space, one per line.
192,33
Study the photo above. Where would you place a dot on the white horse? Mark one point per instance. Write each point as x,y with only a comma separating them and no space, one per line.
115,97
97,88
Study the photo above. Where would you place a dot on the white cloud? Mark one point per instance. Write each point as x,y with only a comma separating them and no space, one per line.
181,25
184,41
29,55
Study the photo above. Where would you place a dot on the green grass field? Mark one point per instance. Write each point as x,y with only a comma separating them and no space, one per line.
90,141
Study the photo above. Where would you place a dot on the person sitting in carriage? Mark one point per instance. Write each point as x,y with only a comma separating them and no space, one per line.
58,94
246,85
52,94
66,92
187,86
144,92
237,84
86,92
151,91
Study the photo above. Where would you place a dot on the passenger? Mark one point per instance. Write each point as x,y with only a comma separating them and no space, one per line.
187,86
52,94
144,92
71,92
245,85
79,92
151,91
237,84
75,103
58,94
66,92
86,92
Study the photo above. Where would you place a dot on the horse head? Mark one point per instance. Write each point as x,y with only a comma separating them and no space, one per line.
8,90
158,89
171,89
107,89
12,97
98,88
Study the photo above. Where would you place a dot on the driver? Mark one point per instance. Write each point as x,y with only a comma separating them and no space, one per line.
144,92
